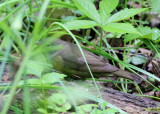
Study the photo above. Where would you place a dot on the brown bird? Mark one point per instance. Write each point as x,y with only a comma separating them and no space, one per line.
70,61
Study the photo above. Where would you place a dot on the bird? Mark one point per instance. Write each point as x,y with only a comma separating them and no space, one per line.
70,61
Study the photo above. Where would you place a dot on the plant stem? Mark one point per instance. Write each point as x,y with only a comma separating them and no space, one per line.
101,36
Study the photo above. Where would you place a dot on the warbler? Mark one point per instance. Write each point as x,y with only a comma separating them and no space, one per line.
70,61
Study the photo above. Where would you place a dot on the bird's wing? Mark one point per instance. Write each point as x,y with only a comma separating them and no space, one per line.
95,63
73,59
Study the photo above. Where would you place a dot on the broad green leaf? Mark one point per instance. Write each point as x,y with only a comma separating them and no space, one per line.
80,24
88,8
120,28
67,106
37,65
131,36
42,111
156,33
35,68
58,98
147,32
155,5
30,82
137,60
106,7
50,78
124,14
87,107
144,30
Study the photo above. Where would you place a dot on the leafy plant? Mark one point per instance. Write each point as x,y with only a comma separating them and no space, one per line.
56,103
104,19
146,32
147,36
47,79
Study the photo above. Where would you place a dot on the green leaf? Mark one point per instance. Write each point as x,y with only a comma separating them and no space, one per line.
88,8
42,111
86,108
120,28
58,98
106,7
30,82
34,68
147,32
80,24
137,59
50,78
110,111
155,5
37,65
129,37
156,34
144,30
67,106
124,14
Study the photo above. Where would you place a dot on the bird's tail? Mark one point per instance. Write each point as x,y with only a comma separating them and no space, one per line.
126,74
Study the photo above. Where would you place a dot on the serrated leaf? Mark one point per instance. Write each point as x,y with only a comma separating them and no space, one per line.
120,28
88,8
152,34
144,30
124,14
80,24
106,7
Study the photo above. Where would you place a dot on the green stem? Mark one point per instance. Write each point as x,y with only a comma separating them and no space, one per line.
26,96
44,96
125,3
101,37
133,16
